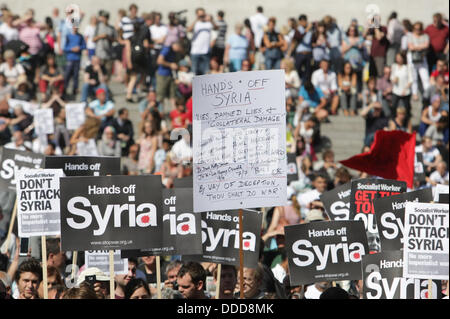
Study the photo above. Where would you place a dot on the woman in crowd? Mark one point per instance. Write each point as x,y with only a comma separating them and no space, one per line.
148,144
250,35
109,145
352,51
347,89
236,49
137,288
418,43
274,46
402,80
85,132
401,122
319,45
14,72
430,114
214,66
291,78
51,75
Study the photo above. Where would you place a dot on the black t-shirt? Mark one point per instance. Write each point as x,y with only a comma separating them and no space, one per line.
374,124
151,278
94,74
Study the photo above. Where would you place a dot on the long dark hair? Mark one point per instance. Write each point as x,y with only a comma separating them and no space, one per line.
343,69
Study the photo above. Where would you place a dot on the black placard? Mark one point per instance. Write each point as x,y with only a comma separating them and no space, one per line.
85,165
337,202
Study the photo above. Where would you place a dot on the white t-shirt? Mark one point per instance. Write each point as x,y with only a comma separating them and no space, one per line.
326,83
201,38
436,177
8,32
89,33
279,273
158,32
430,156
182,150
312,292
305,198
258,22
404,73
11,73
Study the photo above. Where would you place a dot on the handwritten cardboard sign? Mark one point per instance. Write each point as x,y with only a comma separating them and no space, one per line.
239,130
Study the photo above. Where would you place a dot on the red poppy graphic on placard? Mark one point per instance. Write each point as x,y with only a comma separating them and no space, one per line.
185,227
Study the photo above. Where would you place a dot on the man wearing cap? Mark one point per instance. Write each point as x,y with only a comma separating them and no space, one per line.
102,109
104,36
98,280
94,79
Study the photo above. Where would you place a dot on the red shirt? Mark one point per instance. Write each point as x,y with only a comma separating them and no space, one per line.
379,47
189,108
435,73
438,37
179,119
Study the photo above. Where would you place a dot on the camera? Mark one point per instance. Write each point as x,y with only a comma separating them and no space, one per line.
91,280
179,16
175,285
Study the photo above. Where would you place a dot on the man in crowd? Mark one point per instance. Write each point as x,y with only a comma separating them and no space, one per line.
201,39
124,130
375,120
228,281
438,33
104,38
258,22
102,109
172,270
307,199
28,277
253,278
327,82
73,49
191,281
95,76
55,256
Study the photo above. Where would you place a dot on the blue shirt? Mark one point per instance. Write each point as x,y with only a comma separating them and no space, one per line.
238,47
313,99
305,44
99,109
169,56
74,40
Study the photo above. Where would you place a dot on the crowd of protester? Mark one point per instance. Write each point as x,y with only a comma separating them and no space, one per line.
331,69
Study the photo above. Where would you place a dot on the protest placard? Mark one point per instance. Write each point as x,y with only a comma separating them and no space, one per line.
443,199
43,121
75,115
28,107
181,227
426,244
38,198
220,238
382,279
390,216
239,140
88,148
85,165
325,251
14,160
337,202
292,170
111,212
419,172
185,182
364,191
100,259
438,190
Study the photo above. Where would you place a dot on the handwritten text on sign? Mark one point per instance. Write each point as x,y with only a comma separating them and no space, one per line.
239,140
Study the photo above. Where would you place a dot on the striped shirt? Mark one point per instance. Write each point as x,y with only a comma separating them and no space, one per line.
127,26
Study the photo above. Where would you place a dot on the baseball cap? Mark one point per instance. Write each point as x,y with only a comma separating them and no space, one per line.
314,215
93,271
100,90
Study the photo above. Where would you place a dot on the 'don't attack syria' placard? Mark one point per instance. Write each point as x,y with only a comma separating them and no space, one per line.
426,244
325,251
364,191
382,279
390,216
38,197
220,238
100,260
111,212
181,226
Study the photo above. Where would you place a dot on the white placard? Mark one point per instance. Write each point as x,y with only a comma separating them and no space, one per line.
28,107
43,121
100,259
425,250
38,202
75,115
239,146
88,148
439,189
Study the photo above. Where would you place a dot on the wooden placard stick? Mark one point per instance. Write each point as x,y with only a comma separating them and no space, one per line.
11,224
44,265
74,264
111,274
430,289
158,277
241,257
218,277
